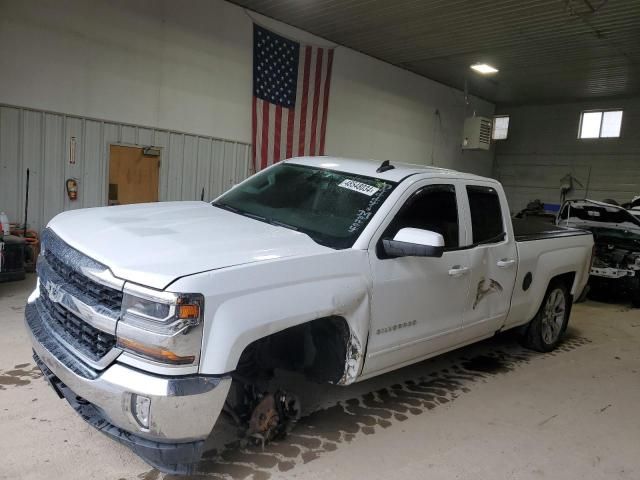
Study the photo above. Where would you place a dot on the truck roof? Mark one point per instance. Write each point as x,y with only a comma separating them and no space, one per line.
368,168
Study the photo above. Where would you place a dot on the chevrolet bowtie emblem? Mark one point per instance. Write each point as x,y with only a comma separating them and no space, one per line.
54,291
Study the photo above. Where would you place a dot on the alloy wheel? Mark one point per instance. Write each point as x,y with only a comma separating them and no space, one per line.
553,317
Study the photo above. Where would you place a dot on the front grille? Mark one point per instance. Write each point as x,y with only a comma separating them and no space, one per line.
90,341
100,294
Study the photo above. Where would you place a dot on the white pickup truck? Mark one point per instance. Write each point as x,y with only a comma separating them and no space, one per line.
339,269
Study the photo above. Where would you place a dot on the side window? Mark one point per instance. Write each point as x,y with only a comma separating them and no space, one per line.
434,208
486,214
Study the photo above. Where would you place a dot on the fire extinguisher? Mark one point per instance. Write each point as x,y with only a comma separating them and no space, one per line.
72,188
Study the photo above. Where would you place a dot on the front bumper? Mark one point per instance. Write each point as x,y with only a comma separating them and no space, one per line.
182,414
612,273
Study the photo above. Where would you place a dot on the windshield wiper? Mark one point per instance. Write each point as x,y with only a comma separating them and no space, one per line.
224,206
256,217
278,223
260,218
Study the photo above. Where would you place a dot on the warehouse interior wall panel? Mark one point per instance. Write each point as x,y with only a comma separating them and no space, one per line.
203,169
10,172
543,146
41,141
524,183
175,163
161,139
52,165
159,64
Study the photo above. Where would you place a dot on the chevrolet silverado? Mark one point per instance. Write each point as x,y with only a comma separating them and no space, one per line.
152,319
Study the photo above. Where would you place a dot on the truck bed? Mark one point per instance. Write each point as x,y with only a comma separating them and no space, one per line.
529,230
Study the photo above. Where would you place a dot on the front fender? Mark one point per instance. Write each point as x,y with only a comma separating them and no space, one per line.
246,303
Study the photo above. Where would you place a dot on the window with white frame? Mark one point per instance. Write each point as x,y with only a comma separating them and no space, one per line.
500,127
600,124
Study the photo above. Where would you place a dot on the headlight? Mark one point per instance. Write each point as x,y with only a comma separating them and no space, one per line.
163,315
146,309
161,326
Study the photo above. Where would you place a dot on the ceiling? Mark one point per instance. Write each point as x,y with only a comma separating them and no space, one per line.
546,50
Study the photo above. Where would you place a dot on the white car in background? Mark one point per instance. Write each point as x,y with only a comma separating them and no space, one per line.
616,233
634,207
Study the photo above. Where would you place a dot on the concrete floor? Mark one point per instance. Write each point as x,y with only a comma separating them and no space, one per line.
489,411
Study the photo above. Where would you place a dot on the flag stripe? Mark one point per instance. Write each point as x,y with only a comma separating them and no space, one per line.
298,104
316,99
271,134
265,134
320,101
290,128
312,79
305,99
258,145
325,107
253,132
276,134
284,122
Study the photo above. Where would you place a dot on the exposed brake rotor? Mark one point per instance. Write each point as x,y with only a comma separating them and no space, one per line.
274,416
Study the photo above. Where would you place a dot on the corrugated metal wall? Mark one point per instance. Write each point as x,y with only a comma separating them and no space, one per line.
41,140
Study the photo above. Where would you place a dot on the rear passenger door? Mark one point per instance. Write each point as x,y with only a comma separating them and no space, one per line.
493,260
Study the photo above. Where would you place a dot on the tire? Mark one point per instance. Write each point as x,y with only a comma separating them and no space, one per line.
547,327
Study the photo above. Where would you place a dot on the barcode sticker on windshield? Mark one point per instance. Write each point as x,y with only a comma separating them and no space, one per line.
359,187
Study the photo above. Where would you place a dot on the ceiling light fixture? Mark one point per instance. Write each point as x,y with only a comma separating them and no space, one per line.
484,68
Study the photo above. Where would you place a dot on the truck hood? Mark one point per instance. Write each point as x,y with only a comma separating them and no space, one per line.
153,244
592,214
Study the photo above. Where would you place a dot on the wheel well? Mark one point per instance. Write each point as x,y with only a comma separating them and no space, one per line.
318,349
566,278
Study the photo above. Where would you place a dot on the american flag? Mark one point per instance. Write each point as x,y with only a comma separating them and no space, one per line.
291,83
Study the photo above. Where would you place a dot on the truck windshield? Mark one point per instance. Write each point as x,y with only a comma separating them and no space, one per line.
331,207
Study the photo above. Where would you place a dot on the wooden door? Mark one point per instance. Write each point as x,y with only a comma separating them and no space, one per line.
133,176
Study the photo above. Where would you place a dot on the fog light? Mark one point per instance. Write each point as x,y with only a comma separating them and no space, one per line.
140,406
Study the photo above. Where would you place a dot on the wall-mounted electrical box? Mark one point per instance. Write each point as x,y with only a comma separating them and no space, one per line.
477,133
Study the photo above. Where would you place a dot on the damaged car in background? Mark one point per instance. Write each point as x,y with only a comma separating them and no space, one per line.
633,207
153,319
616,233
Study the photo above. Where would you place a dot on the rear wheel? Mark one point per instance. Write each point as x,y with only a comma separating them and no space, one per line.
546,328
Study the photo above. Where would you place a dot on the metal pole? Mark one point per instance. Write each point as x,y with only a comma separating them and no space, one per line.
26,206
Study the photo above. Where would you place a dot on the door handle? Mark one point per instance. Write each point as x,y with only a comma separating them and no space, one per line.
458,271
505,263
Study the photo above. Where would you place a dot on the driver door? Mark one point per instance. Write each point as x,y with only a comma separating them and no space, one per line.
418,302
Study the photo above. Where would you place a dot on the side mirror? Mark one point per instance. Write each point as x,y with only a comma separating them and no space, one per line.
414,242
